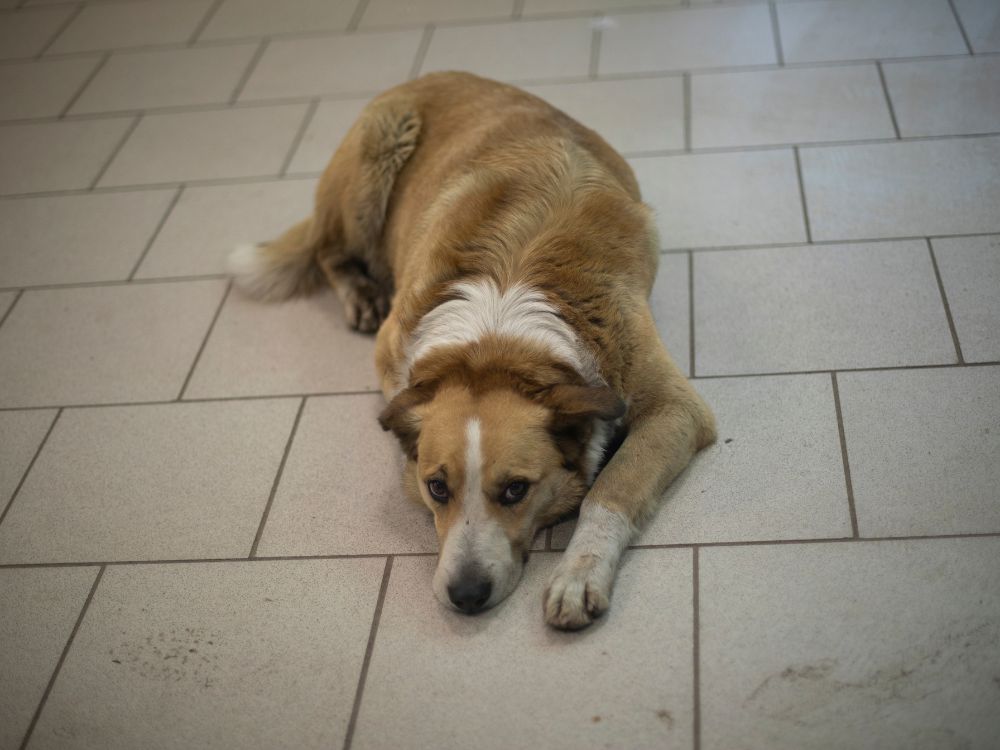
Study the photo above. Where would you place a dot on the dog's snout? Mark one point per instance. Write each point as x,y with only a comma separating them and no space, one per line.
470,592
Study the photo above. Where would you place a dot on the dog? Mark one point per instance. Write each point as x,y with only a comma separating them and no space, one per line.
504,255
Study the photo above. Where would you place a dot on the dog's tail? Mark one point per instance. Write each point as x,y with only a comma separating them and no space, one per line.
277,270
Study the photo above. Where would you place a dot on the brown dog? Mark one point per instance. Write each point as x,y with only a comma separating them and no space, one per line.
518,259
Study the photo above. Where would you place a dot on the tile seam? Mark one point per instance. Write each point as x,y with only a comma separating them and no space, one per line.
944,302
156,231
888,99
299,135
117,150
422,47
206,19
31,464
89,79
849,484
204,341
696,647
961,27
74,14
244,78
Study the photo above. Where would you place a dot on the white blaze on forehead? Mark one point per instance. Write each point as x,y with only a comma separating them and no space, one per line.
473,501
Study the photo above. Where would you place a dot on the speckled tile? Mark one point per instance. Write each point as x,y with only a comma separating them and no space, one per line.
21,432
970,273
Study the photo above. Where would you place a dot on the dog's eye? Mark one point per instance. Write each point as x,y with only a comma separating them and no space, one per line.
514,493
438,490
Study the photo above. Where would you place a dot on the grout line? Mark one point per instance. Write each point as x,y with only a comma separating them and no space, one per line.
86,82
696,648
888,99
17,296
802,196
548,539
62,657
116,282
31,464
211,400
277,478
691,369
944,301
961,27
425,43
359,12
203,23
886,368
241,84
595,52
518,10
843,453
221,560
369,649
299,135
204,341
117,149
156,231
688,114
59,32
776,32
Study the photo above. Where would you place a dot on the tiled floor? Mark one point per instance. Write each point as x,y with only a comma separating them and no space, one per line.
202,540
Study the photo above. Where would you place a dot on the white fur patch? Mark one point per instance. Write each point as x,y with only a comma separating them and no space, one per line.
483,309
259,276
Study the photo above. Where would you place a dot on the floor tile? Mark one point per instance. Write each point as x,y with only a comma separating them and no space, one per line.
228,654
520,51
165,78
21,432
596,689
862,30
415,12
912,189
532,7
685,39
26,33
57,155
355,63
981,20
792,105
945,97
104,344
970,272
208,222
77,238
106,26
300,346
850,645
741,489
712,200
38,609
324,133
341,507
671,310
256,18
6,300
817,308
176,481
637,115
243,142
923,446
41,88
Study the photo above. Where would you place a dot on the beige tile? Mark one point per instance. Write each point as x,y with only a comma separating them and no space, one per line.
637,115
852,645
6,300
945,97
817,308
532,7
26,33
792,105
519,51
38,609
232,655
174,481
741,488
981,20
105,26
342,506
21,432
256,18
324,133
77,238
671,310
443,680
415,12
300,346
104,344
970,272
712,200
922,446
208,222
355,63
41,88
57,155
912,189
861,30
165,78
688,38
243,142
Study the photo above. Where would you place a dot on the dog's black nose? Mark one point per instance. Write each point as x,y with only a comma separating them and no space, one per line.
470,594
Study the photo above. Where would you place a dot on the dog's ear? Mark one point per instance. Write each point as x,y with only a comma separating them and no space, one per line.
577,403
400,417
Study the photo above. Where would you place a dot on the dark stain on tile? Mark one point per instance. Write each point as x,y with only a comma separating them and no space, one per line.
174,655
666,717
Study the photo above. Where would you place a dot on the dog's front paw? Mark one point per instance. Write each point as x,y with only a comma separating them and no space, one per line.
366,305
578,593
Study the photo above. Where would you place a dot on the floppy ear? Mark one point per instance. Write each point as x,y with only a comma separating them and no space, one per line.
400,417
575,403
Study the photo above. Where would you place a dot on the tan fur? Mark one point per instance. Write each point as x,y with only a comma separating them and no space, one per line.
453,177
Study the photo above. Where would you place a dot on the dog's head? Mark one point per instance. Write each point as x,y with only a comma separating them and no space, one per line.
494,466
